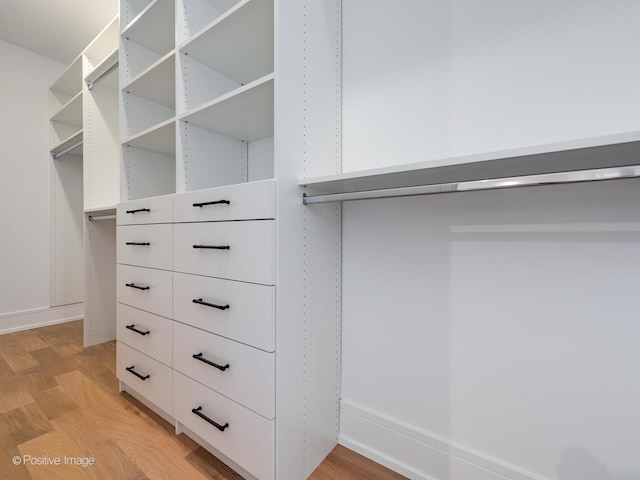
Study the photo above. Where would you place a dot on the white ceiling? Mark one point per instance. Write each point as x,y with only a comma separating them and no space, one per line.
58,29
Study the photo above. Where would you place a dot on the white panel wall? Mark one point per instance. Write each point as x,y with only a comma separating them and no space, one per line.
426,79
25,78
495,333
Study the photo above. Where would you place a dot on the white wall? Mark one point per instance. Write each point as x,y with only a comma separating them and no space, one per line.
491,335
426,79
25,78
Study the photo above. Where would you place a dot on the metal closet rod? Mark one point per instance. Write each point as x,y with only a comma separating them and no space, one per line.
57,155
102,76
576,176
95,218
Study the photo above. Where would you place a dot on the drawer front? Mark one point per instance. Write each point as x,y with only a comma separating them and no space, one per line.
250,256
248,440
246,201
146,210
242,373
145,288
146,332
250,317
146,245
158,384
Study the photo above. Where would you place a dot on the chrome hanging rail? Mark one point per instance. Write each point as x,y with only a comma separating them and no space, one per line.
95,218
91,83
59,154
577,176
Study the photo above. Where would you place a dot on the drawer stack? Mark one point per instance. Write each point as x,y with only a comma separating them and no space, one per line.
208,295
144,293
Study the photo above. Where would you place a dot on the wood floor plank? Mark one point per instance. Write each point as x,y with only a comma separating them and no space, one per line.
15,399
51,446
29,340
54,402
66,349
18,358
53,364
111,462
210,466
26,423
343,463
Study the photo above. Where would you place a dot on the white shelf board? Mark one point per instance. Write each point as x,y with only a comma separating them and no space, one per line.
239,43
104,72
104,43
160,138
153,28
71,112
70,82
596,152
106,210
158,82
68,142
245,113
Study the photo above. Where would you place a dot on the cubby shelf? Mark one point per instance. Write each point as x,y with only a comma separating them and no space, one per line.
237,44
156,83
70,82
70,141
160,138
71,112
245,113
153,27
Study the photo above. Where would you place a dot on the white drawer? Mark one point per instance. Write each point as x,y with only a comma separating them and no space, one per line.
145,288
150,378
249,318
146,245
245,201
146,332
146,210
250,255
248,440
242,373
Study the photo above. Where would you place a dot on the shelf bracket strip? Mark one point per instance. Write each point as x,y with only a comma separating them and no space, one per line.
576,176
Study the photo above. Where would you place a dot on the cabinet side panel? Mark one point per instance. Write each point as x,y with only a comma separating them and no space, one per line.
308,241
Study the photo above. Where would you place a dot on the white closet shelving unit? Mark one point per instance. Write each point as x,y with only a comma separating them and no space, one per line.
207,157
85,184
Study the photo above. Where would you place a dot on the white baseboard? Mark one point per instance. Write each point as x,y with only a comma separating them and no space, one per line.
415,453
40,317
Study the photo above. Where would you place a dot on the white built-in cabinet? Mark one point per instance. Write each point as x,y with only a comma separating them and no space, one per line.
228,299
84,184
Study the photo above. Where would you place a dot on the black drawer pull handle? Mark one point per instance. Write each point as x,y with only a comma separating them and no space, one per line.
131,370
198,356
217,202
133,285
212,422
132,327
200,302
216,247
142,244
139,210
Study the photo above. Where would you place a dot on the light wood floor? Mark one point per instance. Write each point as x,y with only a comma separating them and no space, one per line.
59,400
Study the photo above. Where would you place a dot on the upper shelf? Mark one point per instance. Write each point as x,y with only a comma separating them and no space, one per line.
71,112
159,138
157,82
153,28
245,113
597,152
70,82
239,43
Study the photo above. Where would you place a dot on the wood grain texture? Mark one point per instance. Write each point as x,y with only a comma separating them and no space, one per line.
60,400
